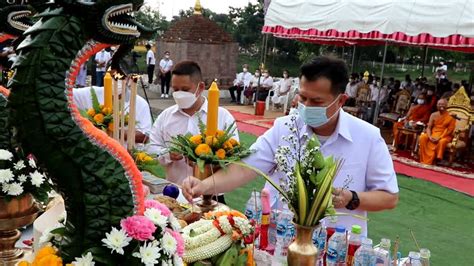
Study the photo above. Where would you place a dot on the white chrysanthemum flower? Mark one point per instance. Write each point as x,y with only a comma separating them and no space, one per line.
5,155
32,163
116,240
155,216
174,223
5,187
167,263
6,175
15,189
19,165
149,254
37,178
22,178
168,243
87,260
177,261
47,235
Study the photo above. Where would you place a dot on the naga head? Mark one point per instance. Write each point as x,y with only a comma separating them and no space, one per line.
108,21
15,17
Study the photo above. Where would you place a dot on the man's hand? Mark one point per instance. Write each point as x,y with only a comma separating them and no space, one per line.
192,188
435,140
341,197
175,156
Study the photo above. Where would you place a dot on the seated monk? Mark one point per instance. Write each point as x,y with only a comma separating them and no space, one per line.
438,134
417,113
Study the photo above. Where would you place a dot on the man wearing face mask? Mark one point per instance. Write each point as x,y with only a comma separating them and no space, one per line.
182,118
417,113
373,185
241,82
439,133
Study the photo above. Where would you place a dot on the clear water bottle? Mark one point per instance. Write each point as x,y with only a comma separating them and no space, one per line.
425,255
337,246
319,240
382,253
253,209
365,255
353,243
414,258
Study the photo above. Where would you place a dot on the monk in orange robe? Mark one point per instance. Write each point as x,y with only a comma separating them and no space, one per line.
417,113
438,134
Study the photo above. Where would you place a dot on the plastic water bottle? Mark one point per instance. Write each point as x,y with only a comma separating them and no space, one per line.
253,209
425,255
354,243
320,244
414,258
365,255
382,253
337,246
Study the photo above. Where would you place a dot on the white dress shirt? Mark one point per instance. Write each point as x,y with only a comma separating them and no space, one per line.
351,89
83,101
374,92
150,58
102,57
173,121
243,78
367,162
166,65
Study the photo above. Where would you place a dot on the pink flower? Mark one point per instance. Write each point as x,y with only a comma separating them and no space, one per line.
179,241
138,227
159,206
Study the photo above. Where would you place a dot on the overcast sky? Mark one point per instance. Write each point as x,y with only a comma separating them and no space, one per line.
170,8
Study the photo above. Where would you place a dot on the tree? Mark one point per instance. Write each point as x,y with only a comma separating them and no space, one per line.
152,19
248,25
223,20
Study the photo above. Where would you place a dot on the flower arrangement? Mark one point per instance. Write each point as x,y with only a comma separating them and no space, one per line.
203,148
307,184
100,116
220,237
146,162
19,175
151,239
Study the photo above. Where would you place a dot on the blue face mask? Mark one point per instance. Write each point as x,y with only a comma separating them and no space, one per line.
315,116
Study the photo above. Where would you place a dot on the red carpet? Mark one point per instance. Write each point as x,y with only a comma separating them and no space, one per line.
463,185
246,123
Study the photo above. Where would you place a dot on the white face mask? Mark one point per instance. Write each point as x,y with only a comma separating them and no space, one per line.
266,75
167,56
429,92
184,99
420,101
245,70
257,74
285,75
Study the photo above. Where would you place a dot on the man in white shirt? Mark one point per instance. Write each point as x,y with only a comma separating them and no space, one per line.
351,89
241,82
367,170
166,64
183,118
102,58
83,101
150,63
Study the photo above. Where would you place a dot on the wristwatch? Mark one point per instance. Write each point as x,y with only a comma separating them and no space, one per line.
354,203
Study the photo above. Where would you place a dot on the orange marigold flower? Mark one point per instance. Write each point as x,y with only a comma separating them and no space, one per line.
24,263
91,112
234,142
220,153
147,159
228,145
50,260
196,139
99,118
220,133
203,149
111,126
44,251
211,141
106,110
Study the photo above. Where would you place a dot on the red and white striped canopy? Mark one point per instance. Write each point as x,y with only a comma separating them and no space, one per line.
447,24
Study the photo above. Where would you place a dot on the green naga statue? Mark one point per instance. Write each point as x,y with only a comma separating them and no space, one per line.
98,179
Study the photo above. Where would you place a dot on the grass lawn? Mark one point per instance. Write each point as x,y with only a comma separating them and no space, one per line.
441,219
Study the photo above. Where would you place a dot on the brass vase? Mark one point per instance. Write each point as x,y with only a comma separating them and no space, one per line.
15,213
302,251
207,204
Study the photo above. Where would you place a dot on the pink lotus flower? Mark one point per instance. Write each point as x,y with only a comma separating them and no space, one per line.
159,206
179,241
138,227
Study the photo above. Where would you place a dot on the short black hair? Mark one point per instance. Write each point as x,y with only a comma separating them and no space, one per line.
331,68
188,68
148,46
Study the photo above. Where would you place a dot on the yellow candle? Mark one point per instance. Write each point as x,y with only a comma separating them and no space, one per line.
212,109
108,90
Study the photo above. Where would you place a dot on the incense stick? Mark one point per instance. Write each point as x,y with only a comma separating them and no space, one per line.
414,239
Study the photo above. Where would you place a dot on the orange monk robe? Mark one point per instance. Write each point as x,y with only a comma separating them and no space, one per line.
443,128
417,113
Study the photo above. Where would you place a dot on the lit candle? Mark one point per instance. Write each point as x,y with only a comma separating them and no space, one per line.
212,109
108,91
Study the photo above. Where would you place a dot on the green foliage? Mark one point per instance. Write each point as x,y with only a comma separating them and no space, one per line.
152,19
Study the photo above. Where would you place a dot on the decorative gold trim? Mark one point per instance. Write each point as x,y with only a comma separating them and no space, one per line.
460,99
